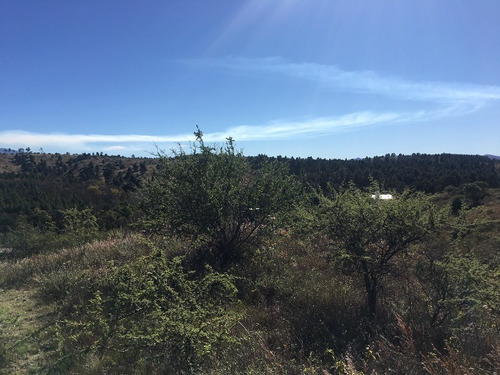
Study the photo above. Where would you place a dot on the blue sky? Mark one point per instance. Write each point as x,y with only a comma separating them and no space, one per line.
323,78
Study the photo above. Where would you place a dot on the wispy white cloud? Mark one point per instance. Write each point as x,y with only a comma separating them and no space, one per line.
293,129
365,82
445,100
74,139
272,131
279,130
126,143
276,130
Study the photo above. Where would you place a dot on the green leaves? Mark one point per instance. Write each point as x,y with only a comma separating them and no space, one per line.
212,197
155,308
366,234
81,225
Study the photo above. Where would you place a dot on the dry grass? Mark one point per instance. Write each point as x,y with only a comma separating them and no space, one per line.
26,332
92,256
31,290
6,164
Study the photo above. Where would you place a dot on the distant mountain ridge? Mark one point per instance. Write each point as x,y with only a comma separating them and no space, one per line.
8,151
494,157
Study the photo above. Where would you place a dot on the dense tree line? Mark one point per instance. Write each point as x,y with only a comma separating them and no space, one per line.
53,182
109,185
427,173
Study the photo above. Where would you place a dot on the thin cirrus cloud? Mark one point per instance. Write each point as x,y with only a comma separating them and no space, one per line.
363,82
292,129
84,141
447,100
277,130
78,139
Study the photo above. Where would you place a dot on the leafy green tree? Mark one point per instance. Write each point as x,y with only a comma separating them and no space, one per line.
474,192
81,225
212,197
366,235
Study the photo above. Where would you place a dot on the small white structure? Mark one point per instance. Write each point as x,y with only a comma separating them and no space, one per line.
377,195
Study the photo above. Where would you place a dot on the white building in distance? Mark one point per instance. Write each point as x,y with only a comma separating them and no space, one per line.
377,195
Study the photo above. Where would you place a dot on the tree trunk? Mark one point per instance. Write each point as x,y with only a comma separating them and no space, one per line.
371,290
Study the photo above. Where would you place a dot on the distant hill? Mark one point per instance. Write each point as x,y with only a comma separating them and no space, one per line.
8,151
31,183
494,157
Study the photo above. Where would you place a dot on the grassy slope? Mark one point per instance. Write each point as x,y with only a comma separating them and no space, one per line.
28,338
6,164
25,332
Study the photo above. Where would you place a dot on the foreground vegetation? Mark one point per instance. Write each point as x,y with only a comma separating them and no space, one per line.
230,265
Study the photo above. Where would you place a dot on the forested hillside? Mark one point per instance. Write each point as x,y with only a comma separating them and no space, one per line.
213,262
427,173
30,182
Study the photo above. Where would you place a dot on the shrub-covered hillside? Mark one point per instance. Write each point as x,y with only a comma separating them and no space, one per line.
210,262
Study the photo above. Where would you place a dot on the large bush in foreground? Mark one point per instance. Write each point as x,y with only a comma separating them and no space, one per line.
211,196
152,316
